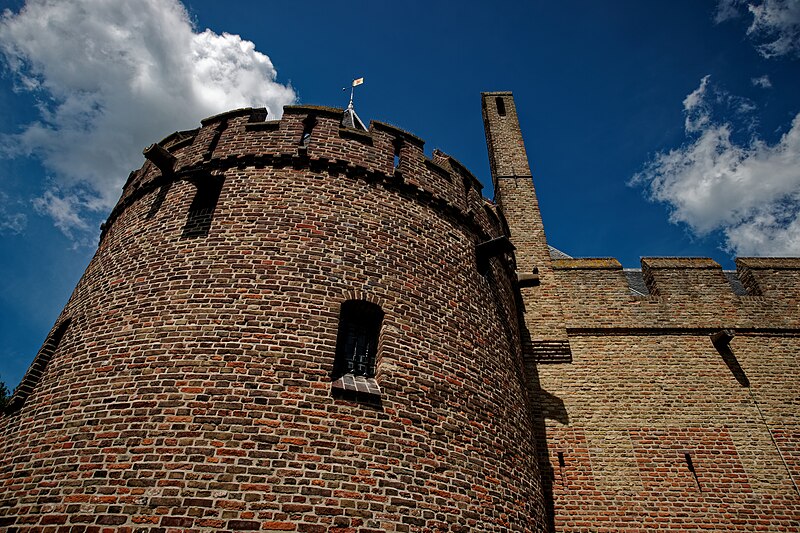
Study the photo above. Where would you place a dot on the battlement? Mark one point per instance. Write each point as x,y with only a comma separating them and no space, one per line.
308,137
681,292
283,308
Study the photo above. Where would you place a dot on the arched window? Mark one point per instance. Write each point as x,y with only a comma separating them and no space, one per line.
357,342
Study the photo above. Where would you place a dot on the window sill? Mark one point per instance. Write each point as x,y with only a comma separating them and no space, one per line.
358,388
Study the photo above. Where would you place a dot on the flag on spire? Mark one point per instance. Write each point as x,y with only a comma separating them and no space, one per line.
358,81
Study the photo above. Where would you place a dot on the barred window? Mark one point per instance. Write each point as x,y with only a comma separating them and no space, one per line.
357,342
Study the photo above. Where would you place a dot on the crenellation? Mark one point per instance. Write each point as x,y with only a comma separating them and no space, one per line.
684,293
696,278
178,139
773,277
237,137
199,385
229,115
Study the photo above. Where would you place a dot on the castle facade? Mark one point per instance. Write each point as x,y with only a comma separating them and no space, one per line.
305,325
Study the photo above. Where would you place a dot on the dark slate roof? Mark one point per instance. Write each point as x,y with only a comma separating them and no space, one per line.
735,282
636,281
555,253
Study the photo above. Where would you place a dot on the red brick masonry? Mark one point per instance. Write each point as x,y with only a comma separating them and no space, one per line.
192,389
188,384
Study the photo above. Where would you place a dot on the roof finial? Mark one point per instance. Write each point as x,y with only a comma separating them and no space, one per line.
350,119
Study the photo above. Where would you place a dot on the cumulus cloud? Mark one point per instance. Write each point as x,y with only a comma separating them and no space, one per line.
775,24
750,191
110,78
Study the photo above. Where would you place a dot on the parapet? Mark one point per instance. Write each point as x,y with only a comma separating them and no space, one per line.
309,137
682,292
777,277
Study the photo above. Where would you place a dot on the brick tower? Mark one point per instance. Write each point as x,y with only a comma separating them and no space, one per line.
544,334
288,325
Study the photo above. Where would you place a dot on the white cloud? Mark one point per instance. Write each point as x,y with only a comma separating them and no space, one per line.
696,107
748,191
762,81
10,221
112,77
65,210
775,22
727,9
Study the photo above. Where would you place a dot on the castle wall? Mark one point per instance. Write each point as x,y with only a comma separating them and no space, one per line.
673,411
192,388
647,386
188,383
627,410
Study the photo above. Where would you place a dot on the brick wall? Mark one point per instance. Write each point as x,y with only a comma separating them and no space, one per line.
192,388
629,408
648,425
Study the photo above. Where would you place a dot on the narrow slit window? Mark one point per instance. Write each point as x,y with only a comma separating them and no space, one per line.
690,465
398,145
501,106
308,126
357,341
201,212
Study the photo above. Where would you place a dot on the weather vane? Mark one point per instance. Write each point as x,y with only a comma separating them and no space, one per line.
356,82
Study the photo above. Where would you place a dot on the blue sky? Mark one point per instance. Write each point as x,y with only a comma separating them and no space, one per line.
653,128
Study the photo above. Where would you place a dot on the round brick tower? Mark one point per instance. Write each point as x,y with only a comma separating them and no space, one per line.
288,326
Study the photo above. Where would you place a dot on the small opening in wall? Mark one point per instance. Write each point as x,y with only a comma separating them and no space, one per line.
215,140
357,341
308,125
398,146
690,465
201,212
561,462
501,106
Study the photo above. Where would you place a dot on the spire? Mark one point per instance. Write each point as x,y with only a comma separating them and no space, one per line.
350,119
